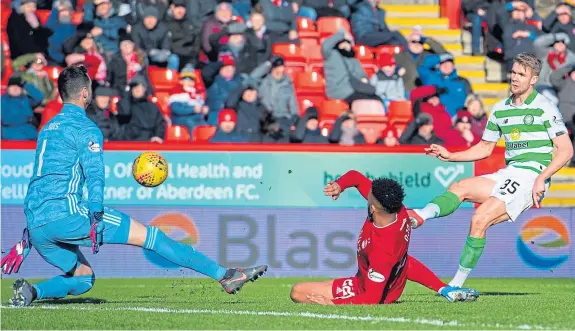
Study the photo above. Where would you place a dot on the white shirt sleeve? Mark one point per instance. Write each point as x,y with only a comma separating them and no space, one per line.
492,131
553,121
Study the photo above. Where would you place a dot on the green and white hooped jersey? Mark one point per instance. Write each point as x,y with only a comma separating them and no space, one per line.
528,130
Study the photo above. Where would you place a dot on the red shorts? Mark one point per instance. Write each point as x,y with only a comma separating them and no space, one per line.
344,288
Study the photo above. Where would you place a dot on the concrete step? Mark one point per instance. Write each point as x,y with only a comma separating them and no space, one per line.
397,23
455,49
474,76
558,202
496,71
444,36
491,90
427,11
566,172
466,62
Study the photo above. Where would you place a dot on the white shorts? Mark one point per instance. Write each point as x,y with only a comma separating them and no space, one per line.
514,186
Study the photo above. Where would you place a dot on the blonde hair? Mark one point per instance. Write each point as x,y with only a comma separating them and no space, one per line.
528,60
471,98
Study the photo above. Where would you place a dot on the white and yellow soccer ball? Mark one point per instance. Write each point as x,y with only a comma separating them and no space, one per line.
150,169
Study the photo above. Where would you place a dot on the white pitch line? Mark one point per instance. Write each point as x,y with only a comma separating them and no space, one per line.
373,319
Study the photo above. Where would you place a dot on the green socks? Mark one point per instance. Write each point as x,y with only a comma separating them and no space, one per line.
471,253
448,202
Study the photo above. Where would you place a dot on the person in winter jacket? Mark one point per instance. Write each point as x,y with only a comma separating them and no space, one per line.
272,130
25,33
563,80
277,91
439,70
200,10
552,50
107,25
18,103
420,132
81,48
315,9
60,22
280,21
476,12
345,131
369,27
99,112
154,37
307,129
225,82
561,20
249,109
463,126
187,104
185,39
138,9
127,64
387,80
412,57
226,132
258,38
143,119
478,118
214,24
518,36
389,137
32,68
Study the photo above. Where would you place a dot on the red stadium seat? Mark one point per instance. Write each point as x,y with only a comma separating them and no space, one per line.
52,109
177,133
310,82
333,108
326,127
400,111
371,126
293,68
161,99
312,54
326,26
367,107
306,28
311,41
43,16
53,72
369,69
203,133
304,103
5,12
163,79
291,53
317,68
364,54
77,18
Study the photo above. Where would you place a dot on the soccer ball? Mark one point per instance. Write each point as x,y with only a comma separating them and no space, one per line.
150,169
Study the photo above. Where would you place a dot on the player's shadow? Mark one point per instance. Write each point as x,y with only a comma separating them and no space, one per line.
505,294
74,301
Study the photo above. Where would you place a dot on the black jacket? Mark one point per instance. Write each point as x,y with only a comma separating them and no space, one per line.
199,10
23,39
336,132
108,124
302,135
118,75
411,137
552,25
249,115
158,38
512,47
185,38
144,119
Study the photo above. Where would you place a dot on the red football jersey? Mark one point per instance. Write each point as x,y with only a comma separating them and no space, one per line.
381,252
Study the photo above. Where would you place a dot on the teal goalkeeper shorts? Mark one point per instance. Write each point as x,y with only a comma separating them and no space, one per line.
58,242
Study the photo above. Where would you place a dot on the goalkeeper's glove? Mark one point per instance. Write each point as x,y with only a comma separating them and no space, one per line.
12,260
97,230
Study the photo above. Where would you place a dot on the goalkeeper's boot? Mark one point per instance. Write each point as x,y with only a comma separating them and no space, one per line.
236,278
455,294
416,220
24,293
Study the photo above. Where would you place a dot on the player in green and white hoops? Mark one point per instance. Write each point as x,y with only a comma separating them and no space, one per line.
531,126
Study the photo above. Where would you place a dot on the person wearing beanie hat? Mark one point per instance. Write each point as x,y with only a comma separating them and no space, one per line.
17,107
226,132
224,83
26,35
187,104
345,131
463,126
420,132
388,80
107,23
389,137
99,112
185,36
307,129
154,38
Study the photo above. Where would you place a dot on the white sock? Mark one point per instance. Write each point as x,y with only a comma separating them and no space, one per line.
460,277
429,211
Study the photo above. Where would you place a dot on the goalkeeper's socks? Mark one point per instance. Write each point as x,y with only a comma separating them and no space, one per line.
442,205
469,258
60,286
183,255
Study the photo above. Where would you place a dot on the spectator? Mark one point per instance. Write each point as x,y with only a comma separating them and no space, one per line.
561,21
200,10
280,21
18,103
552,50
107,25
185,40
307,129
387,80
81,48
478,118
369,27
518,36
31,66
25,34
344,76
250,111
272,130
345,131
187,105
315,9
99,112
258,38
143,119
420,132
389,137
124,67
214,24
412,57
154,38
277,91
563,80
439,70
139,8
225,82
60,22
227,132
463,126
475,11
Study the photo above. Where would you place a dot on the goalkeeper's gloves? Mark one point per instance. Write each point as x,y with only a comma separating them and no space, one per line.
97,230
12,260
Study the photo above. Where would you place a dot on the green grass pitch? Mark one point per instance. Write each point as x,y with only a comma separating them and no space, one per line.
185,303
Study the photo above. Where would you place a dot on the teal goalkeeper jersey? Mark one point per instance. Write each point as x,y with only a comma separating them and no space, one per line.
68,155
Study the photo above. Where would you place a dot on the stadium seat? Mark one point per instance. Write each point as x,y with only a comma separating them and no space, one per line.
304,103
43,16
306,28
326,127
387,49
400,111
316,67
367,107
310,82
371,126
203,133
177,133
52,109
163,79
332,108
312,54
369,69
291,53
326,26
5,12
77,18
293,68
364,54
53,72
162,100
312,41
